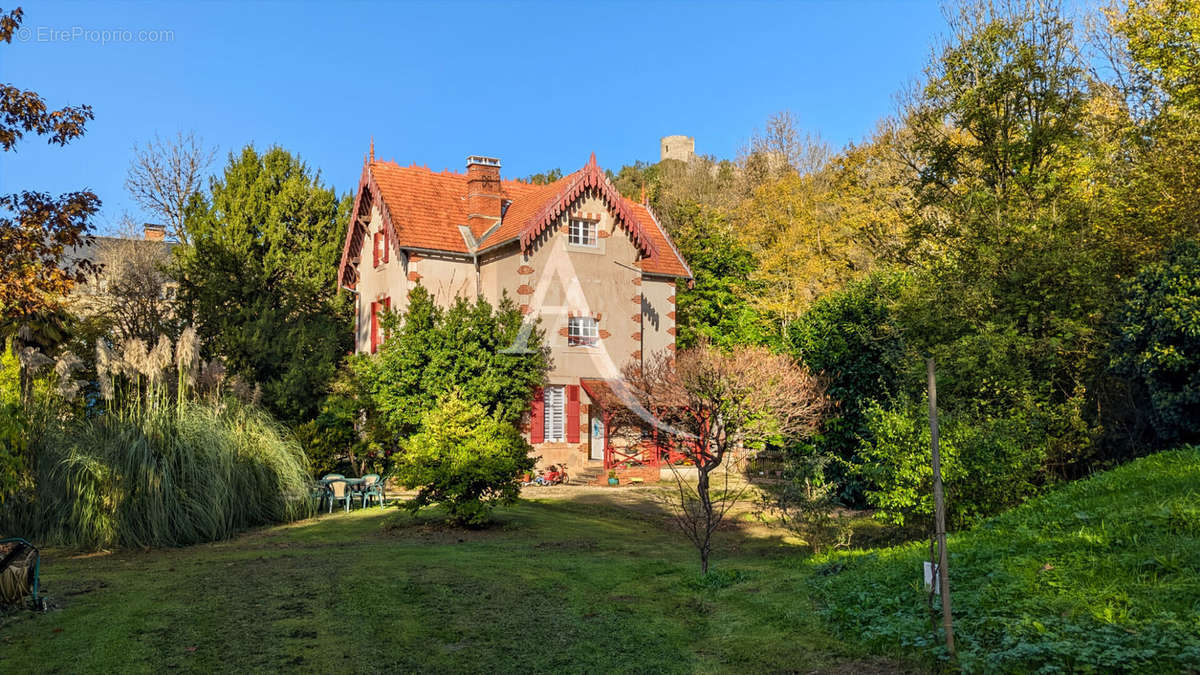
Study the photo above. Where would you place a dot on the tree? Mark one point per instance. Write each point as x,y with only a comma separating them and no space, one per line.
431,352
164,175
781,147
1158,343
712,406
465,460
37,230
716,306
544,178
851,338
258,281
1012,275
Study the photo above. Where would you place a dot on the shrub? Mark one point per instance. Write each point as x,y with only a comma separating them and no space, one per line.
1158,344
465,460
988,465
806,503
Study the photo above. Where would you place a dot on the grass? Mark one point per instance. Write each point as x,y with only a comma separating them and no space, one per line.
554,586
160,475
1100,575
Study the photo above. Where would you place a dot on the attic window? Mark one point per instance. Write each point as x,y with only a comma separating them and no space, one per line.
379,244
582,232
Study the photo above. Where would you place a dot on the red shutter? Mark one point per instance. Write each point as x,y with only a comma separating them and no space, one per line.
374,327
385,246
375,249
537,418
573,413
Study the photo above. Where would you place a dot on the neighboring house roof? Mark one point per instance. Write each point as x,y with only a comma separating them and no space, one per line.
424,210
91,250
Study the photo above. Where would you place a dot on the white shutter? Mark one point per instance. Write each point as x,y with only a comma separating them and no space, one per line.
555,414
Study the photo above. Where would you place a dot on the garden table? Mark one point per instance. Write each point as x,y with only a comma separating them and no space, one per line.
352,485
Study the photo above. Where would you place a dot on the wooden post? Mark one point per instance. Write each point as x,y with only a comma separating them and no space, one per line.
939,506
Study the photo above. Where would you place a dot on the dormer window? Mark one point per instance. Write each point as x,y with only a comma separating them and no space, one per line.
582,232
582,331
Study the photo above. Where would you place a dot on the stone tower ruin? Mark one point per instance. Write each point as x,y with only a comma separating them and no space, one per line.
682,148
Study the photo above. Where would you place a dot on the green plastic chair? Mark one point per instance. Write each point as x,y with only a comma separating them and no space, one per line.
324,489
373,487
339,491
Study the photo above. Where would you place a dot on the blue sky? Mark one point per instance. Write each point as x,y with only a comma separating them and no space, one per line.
540,85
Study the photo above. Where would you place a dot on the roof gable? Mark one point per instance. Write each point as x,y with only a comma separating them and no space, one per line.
528,217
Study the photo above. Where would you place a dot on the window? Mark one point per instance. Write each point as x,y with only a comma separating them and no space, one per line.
555,414
582,331
582,232
377,308
380,248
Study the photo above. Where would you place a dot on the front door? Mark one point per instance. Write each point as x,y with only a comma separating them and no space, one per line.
596,439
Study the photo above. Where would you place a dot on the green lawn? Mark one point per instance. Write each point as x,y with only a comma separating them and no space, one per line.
555,586
1100,575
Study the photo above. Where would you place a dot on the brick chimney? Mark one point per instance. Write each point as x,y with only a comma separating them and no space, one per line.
485,200
154,232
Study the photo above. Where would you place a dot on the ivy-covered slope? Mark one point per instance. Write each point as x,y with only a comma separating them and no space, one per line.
1102,574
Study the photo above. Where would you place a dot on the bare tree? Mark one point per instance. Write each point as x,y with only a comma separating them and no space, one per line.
131,295
781,146
711,407
165,173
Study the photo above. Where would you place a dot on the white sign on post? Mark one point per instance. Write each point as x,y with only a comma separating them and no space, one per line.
931,571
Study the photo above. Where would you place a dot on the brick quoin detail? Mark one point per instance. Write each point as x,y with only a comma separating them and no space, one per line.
563,331
671,330
638,298
604,335
637,281
414,277
671,346
637,318
671,315
525,309
636,336
604,234
636,355
525,289
524,269
671,299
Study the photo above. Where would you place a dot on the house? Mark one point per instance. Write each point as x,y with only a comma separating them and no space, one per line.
128,288
596,267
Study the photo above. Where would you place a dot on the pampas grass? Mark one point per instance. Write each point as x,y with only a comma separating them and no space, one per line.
150,469
167,477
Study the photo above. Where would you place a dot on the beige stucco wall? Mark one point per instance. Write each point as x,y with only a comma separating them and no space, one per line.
445,277
658,315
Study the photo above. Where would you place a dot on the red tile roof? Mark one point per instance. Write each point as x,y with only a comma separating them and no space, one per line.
423,210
